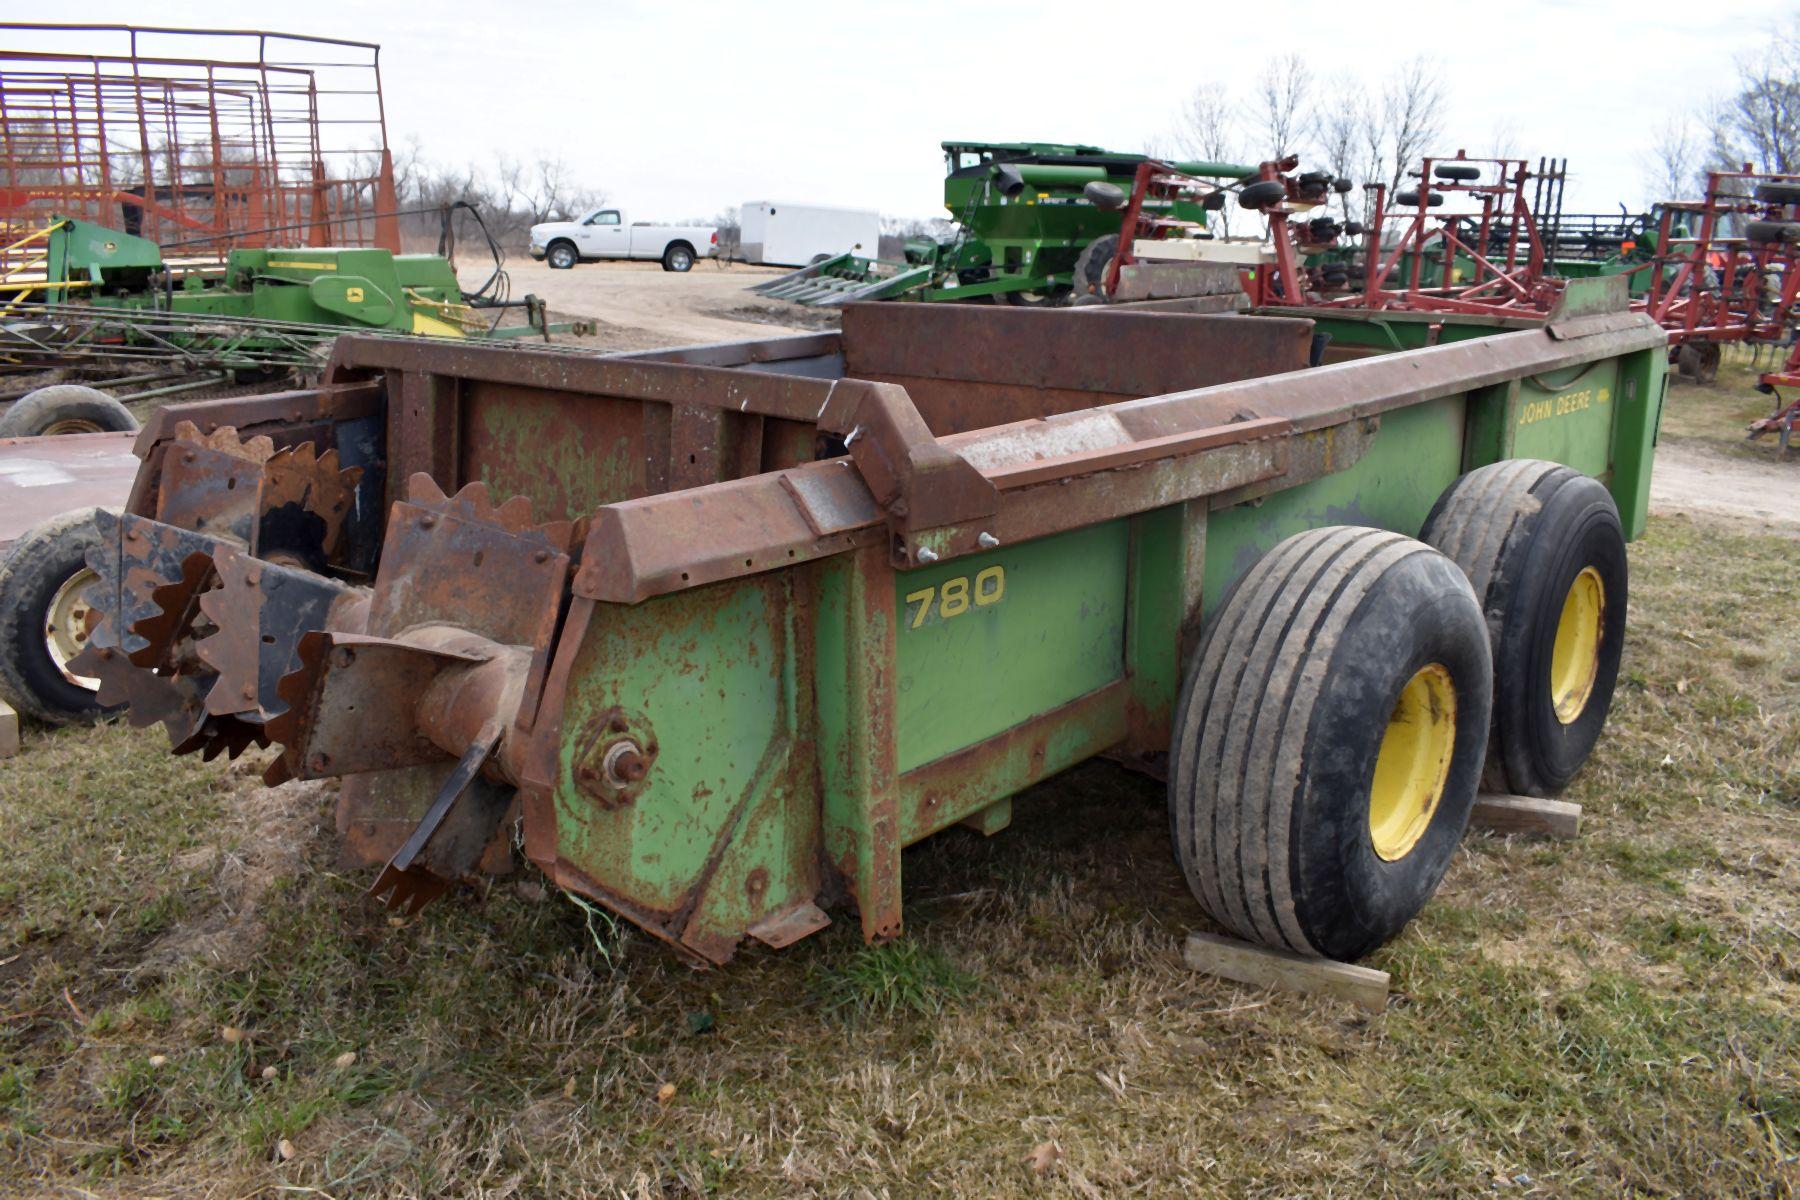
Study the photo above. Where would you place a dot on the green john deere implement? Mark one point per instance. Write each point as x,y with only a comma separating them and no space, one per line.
1024,213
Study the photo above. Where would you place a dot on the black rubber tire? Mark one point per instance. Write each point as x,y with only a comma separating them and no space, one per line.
1772,232
1282,714
1259,196
66,404
1779,191
35,568
1090,265
1460,173
678,257
561,256
1524,530
1342,186
1698,361
1102,194
1410,199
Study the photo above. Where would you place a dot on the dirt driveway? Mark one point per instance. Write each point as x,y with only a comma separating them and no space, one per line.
640,306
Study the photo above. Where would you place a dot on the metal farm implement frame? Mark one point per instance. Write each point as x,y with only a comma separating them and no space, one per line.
716,632
195,137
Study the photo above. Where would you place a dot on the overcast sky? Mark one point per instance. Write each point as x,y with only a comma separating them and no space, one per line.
681,109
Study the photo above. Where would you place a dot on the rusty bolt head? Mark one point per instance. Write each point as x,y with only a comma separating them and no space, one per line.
188,457
427,521
624,764
541,556
617,724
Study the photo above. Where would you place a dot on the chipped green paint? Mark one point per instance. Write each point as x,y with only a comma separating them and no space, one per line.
1056,632
520,442
1416,454
709,672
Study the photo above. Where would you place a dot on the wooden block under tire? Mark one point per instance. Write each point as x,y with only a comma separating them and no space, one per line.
1260,966
1526,814
9,730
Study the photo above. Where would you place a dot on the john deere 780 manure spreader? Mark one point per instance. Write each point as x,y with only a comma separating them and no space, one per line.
713,633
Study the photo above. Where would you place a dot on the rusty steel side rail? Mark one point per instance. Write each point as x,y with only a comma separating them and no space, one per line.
1050,475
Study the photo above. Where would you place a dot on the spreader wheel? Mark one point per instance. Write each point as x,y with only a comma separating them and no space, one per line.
1543,547
44,620
1779,191
1090,267
1328,743
1698,361
1772,232
66,408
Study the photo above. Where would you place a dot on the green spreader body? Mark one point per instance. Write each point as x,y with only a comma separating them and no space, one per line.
778,610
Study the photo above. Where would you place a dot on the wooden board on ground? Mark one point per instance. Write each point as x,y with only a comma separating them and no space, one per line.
1526,814
9,730
1286,971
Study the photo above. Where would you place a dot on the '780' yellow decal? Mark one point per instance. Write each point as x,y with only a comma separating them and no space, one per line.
956,596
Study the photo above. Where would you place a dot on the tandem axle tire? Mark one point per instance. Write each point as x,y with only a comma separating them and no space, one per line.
1544,549
43,620
66,408
1329,740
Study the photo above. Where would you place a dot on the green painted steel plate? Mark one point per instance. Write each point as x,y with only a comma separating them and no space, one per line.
987,642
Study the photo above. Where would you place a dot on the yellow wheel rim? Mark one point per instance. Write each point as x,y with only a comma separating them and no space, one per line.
1413,763
1575,659
66,626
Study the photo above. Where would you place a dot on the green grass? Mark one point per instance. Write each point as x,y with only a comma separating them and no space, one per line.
1606,1017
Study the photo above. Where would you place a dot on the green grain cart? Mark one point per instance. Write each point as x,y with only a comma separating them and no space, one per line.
755,617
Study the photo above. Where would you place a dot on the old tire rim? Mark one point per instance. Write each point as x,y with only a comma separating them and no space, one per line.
1575,659
71,425
1413,762
66,626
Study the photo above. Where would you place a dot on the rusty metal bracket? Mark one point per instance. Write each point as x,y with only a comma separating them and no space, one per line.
918,482
411,884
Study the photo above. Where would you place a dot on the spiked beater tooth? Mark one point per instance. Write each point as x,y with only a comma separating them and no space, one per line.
225,440
296,690
422,489
175,612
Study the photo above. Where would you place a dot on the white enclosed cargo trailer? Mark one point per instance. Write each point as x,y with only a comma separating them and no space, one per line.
794,235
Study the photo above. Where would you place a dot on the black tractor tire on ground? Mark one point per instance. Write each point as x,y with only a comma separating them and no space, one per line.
41,580
1342,649
1779,191
1698,361
678,257
66,408
562,256
1544,550
1772,232
1090,265
1259,196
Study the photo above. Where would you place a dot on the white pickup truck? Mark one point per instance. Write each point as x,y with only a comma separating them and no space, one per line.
610,233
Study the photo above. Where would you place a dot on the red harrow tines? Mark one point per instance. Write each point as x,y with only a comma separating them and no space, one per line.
1462,209
1727,269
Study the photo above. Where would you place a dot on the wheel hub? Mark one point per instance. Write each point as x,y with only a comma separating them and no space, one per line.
1413,762
1575,658
66,626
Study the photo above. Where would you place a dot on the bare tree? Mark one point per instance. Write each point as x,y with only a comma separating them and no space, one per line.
1207,130
1277,112
1412,114
1337,123
1760,123
1673,161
